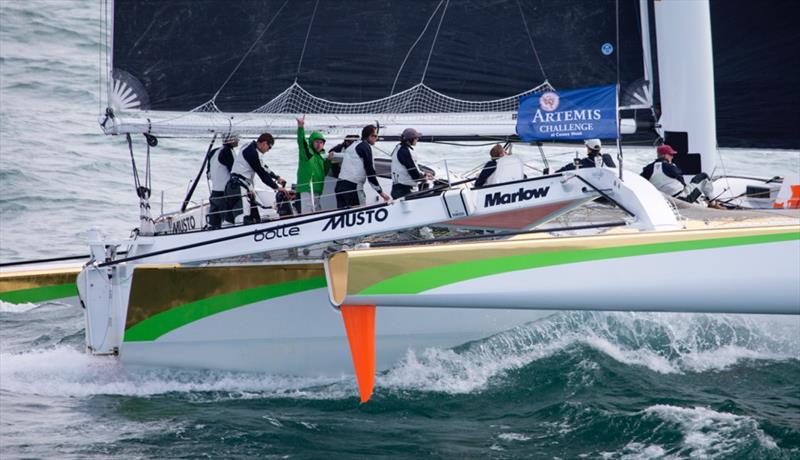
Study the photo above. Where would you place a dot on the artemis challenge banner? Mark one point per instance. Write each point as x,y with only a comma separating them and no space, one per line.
569,115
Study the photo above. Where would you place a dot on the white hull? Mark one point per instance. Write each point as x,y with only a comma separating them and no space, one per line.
303,335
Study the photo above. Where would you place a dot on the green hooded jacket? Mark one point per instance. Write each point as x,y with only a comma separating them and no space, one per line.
312,166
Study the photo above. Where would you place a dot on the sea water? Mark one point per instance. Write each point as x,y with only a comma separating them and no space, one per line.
570,385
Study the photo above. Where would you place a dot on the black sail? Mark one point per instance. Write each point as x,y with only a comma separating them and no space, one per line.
182,51
178,55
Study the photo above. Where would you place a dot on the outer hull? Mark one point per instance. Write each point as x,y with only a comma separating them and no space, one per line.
43,283
743,270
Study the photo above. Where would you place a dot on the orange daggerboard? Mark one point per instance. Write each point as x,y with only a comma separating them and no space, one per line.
359,322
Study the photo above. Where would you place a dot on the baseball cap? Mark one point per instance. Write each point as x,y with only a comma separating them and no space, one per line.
665,150
410,133
593,144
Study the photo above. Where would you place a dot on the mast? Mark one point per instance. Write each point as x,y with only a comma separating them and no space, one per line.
686,81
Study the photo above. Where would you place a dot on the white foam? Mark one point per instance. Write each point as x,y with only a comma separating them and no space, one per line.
513,437
637,357
8,307
636,451
710,433
64,371
457,373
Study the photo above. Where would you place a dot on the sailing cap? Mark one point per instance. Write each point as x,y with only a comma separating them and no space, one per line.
410,133
593,144
665,150
316,135
231,138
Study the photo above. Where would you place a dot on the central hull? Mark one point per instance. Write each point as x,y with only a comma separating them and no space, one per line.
274,318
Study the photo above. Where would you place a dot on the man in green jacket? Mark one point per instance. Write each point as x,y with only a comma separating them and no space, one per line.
311,168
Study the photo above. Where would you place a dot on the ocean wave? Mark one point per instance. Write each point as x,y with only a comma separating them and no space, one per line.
662,343
7,307
708,433
701,344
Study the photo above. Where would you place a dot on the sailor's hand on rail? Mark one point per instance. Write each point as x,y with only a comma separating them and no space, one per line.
282,181
386,197
301,122
331,155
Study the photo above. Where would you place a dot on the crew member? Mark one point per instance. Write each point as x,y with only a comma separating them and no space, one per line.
511,170
594,158
358,167
405,172
311,167
245,167
218,172
668,178
336,161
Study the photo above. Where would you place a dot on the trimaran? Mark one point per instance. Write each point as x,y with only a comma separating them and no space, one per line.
244,298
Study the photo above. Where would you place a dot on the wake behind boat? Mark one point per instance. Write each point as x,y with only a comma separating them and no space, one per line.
269,295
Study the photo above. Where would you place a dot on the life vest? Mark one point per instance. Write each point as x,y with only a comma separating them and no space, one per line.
400,173
241,166
353,166
508,169
664,183
217,172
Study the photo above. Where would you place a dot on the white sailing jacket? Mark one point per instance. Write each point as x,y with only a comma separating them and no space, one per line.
665,184
400,173
218,173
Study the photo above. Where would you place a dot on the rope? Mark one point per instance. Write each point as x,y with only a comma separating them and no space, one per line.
419,37
147,175
433,45
308,33
100,61
136,182
530,39
249,50
619,136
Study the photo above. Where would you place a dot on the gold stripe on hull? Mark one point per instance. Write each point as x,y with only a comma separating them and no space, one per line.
29,279
158,288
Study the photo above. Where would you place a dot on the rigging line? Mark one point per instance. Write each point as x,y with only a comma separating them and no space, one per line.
109,53
530,39
425,29
52,259
136,181
619,137
433,45
249,50
100,60
616,45
308,33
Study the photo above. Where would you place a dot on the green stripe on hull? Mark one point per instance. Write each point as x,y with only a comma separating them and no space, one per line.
40,294
435,277
167,321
